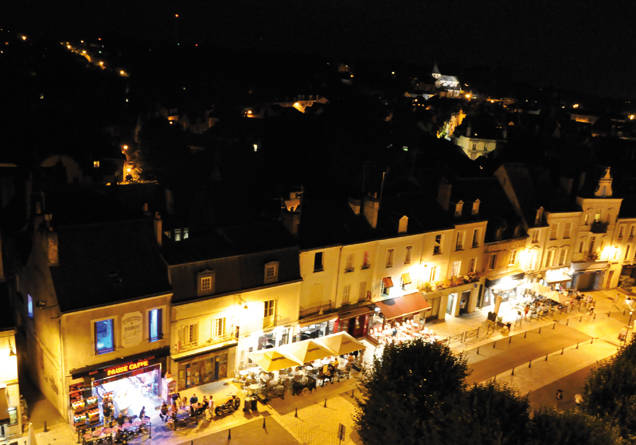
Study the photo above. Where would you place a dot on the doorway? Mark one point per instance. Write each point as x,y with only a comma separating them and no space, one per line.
463,303
451,304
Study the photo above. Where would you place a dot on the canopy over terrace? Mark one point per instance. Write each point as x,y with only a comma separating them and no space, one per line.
403,306
305,351
272,360
340,343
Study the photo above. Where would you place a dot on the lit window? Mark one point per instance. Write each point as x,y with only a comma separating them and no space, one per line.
407,258
104,336
206,282
389,258
30,306
456,268
177,234
219,327
155,325
95,164
269,306
186,233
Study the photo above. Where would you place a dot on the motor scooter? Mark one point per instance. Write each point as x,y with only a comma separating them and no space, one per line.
231,405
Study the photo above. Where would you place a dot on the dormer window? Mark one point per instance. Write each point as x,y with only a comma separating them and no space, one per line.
475,209
458,209
403,224
499,233
271,272
206,282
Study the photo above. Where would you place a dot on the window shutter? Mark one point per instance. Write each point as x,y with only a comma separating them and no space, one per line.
182,332
195,333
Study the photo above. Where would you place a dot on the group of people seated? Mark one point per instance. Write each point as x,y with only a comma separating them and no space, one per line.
192,406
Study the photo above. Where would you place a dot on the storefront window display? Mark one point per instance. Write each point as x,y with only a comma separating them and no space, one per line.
203,370
128,384
315,330
131,391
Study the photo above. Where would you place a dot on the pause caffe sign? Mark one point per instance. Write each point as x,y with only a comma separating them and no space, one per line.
132,366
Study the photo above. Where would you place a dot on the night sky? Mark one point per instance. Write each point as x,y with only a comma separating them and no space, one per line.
581,45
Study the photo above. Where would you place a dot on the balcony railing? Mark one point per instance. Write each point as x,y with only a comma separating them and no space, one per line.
598,227
314,310
203,343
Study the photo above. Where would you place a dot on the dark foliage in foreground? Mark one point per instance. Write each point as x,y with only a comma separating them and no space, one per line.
610,392
415,394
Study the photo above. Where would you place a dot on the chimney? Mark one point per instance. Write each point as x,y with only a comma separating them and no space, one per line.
355,205
539,216
403,224
291,211
2,277
475,209
52,247
158,228
444,193
169,201
567,184
371,210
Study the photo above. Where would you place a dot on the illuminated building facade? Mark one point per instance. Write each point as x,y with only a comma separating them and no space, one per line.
236,291
94,301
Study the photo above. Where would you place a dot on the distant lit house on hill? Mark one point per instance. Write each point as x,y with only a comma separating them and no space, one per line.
479,135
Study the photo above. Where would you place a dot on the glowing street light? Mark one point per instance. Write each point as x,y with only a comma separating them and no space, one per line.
23,37
632,117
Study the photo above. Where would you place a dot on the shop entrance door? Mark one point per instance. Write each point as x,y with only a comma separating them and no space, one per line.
450,306
463,304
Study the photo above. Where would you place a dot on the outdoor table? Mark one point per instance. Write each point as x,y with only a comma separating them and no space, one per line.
97,432
126,426
136,423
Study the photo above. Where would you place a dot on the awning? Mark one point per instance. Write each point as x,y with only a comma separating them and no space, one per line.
205,350
404,305
4,406
340,343
317,318
272,360
387,282
305,351
354,312
406,278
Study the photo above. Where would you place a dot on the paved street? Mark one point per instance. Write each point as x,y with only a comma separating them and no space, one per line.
248,434
572,384
520,350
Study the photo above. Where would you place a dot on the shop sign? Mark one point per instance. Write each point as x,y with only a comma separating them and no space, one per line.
131,329
120,369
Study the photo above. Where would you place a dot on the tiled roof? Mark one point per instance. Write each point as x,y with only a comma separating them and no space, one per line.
108,263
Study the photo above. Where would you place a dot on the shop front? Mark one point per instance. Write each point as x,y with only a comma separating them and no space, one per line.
504,289
315,327
558,279
203,366
354,321
588,275
129,384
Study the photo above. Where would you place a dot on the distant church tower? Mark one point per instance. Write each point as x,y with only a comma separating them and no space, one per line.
436,73
604,188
